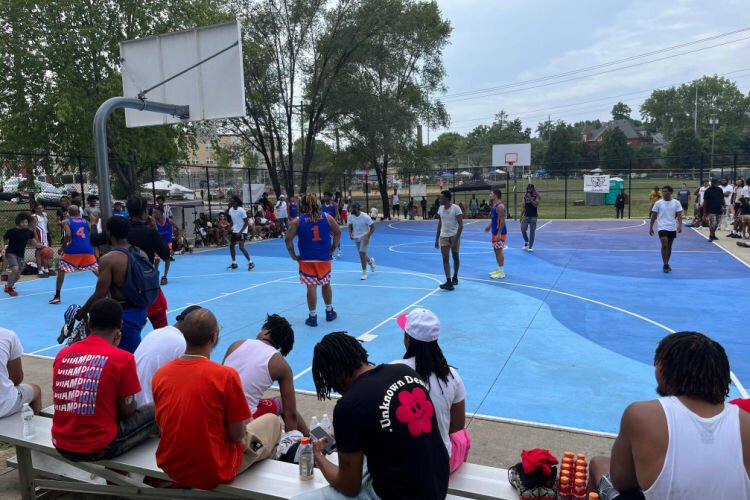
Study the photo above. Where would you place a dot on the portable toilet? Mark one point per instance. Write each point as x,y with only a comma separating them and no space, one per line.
615,185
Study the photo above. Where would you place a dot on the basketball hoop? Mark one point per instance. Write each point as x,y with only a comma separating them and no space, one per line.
205,132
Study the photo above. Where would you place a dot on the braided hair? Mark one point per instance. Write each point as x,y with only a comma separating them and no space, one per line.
336,357
311,206
693,365
428,360
282,334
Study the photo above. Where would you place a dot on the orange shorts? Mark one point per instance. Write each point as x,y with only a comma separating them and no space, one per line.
314,272
498,241
72,262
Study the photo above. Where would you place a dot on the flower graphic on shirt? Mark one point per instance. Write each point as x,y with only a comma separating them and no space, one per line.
416,411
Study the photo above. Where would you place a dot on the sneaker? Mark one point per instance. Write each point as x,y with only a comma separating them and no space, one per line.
312,320
163,281
668,269
500,275
339,253
233,266
42,275
447,286
495,274
10,291
51,272
525,246
250,265
665,268
372,264
530,249
454,281
331,315
364,276
55,300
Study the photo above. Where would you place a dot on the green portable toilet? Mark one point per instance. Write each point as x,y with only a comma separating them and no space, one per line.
615,185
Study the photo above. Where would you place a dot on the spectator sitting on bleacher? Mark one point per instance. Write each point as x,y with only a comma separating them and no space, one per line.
13,392
384,415
94,386
156,350
222,229
261,362
423,354
689,444
202,413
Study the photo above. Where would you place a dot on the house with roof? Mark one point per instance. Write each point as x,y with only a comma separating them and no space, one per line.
636,135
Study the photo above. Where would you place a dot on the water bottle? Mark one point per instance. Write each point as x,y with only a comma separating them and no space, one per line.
314,423
326,424
306,460
27,414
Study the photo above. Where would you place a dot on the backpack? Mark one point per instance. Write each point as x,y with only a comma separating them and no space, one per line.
141,281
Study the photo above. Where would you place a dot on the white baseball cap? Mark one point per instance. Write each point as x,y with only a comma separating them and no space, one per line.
420,324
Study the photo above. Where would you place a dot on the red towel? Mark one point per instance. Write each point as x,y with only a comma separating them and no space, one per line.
537,459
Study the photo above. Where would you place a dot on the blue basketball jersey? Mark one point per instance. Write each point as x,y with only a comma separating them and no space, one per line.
165,231
330,209
314,238
79,233
495,216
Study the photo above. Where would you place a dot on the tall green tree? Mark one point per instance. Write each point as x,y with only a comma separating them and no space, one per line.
616,153
387,92
684,151
621,111
563,150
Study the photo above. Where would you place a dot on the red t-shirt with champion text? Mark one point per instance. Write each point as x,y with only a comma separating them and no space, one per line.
87,379
195,401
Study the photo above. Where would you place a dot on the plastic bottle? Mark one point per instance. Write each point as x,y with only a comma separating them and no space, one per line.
27,414
593,496
579,490
581,456
326,424
314,423
306,460
563,488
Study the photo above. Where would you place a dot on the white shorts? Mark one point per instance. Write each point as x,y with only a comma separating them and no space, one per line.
25,396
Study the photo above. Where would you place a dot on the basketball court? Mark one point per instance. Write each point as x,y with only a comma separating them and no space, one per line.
567,339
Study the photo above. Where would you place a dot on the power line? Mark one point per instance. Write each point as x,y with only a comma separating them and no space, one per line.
598,66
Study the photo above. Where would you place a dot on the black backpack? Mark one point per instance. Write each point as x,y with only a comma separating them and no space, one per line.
141,281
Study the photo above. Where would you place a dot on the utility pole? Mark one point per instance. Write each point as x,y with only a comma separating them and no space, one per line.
713,122
695,111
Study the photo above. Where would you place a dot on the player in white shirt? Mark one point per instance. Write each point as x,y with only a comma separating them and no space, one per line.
667,214
728,191
374,213
396,206
448,237
361,228
158,348
239,220
282,215
13,393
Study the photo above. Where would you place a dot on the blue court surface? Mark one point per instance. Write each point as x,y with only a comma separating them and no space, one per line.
567,338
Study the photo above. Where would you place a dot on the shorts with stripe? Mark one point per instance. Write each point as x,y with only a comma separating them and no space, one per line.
314,272
84,261
498,242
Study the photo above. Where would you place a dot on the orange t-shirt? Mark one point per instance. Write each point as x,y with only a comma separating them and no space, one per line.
195,401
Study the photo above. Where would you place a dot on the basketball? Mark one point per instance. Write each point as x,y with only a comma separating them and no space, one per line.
47,253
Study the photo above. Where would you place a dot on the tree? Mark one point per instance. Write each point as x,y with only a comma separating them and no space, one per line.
387,92
448,149
684,151
479,141
616,152
621,111
563,150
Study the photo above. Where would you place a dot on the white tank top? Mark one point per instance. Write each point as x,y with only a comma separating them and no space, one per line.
704,456
250,360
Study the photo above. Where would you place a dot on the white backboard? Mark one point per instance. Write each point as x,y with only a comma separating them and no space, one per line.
503,154
213,90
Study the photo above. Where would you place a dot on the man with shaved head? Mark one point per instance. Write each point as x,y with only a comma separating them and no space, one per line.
208,436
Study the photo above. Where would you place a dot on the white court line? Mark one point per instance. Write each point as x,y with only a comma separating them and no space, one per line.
545,224
24,295
227,294
479,251
643,223
734,378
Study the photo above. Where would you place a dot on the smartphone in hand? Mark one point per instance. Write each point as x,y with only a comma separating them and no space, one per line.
320,433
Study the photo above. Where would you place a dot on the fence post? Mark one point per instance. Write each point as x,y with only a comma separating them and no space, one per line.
367,190
208,189
630,186
703,158
153,183
320,187
565,211
734,167
80,175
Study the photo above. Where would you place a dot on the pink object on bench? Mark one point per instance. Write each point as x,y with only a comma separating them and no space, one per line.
460,446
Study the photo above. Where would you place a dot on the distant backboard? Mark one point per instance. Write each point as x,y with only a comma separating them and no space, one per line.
213,90
518,154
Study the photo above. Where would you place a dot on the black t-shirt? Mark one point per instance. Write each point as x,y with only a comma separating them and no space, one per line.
620,200
714,200
62,213
140,235
683,195
17,240
745,209
529,209
388,415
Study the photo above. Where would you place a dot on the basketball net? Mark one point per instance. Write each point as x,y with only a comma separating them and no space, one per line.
205,132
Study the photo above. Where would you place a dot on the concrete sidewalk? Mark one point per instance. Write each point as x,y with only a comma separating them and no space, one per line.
494,443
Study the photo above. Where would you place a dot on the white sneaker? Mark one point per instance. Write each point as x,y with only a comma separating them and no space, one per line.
372,264
530,249
364,276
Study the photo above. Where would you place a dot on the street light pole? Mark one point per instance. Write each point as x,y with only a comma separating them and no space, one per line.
713,122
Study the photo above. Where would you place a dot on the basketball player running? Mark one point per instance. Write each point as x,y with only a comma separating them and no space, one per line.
164,227
448,237
361,228
667,214
77,251
239,219
318,235
499,232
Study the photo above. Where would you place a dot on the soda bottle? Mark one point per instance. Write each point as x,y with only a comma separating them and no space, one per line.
563,488
306,460
593,496
579,490
27,414
326,424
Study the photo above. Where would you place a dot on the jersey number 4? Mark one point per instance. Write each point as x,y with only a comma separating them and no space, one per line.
81,233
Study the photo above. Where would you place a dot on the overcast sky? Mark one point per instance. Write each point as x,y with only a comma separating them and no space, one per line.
499,42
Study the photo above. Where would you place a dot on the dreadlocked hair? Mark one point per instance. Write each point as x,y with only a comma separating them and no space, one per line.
282,334
335,358
311,206
693,365
428,360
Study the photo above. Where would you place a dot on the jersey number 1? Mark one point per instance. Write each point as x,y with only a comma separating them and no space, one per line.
316,233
